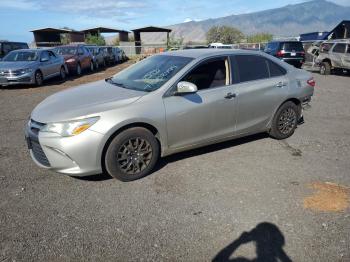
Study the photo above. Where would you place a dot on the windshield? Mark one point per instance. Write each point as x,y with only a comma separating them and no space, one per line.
66,50
21,56
151,73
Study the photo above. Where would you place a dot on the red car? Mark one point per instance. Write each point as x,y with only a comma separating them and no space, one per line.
77,58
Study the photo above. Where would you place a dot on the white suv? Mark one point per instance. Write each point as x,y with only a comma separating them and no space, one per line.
334,54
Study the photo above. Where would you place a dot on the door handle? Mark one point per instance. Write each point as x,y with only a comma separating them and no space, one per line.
230,95
280,84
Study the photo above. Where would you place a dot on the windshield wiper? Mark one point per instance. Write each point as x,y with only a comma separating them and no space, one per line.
110,80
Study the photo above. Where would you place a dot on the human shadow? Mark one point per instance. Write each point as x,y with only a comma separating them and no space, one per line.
269,242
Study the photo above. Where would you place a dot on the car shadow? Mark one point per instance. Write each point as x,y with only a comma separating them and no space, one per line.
187,154
269,242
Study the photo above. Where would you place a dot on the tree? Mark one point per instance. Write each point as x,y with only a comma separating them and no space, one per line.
95,39
175,42
259,38
224,34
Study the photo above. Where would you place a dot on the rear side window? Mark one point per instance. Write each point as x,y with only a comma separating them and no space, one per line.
275,70
251,67
292,46
339,48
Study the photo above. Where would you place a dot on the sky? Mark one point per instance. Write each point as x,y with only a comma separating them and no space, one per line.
18,17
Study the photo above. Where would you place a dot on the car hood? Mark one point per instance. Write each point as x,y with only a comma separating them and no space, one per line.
66,57
83,101
15,65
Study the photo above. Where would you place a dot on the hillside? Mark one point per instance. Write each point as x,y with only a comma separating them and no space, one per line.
290,20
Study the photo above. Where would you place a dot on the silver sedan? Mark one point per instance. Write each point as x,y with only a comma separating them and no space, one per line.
31,66
165,104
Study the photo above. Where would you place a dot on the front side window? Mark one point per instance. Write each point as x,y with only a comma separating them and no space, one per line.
45,56
151,73
213,73
251,67
339,48
15,56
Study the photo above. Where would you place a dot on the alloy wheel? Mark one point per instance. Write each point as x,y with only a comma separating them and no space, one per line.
38,78
287,121
134,155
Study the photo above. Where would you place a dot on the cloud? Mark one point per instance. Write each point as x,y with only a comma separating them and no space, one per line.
95,8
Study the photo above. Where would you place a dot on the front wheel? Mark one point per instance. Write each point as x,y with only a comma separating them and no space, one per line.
132,154
285,121
325,68
39,79
78,70
63,73
91,66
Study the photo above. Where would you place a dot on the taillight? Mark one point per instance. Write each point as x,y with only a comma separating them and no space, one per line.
280,53
311,82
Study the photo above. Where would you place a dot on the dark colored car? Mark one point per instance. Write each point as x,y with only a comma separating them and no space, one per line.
97,56
109,55
6,47
77,58
291,52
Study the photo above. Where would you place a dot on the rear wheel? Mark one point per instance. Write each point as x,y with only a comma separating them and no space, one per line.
325,68
91,66
132,154
97,65
78,70
38,78
285,121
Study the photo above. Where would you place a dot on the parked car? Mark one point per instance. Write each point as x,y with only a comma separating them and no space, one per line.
77,58
117,55
334,54
109,55
31,66
6,47
166,103
97,56
291,52
220,45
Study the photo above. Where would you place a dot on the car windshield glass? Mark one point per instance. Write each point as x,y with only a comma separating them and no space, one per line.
21,56
293,46
66,50
151,73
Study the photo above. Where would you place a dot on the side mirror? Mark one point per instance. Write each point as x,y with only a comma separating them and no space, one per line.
184,87
44,59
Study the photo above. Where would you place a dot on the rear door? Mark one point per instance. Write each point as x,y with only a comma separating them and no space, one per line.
261,86
346,60
338,54
56,63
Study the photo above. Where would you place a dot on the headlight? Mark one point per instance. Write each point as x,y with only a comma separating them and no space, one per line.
71,128
71,60
22,71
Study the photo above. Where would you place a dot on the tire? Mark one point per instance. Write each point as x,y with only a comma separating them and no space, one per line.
38,77
132,154
63,74
325,68
92,67
285,121
78,70
97,65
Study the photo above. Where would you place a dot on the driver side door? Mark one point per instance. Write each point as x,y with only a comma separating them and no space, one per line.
204,116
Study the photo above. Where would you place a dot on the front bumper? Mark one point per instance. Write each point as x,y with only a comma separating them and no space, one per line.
17,80
77,155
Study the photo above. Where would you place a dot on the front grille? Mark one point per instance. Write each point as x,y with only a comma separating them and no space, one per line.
34,143
39,154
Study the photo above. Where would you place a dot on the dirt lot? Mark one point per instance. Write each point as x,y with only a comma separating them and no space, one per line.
292,197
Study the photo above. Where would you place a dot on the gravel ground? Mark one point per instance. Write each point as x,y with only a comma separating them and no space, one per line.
291,197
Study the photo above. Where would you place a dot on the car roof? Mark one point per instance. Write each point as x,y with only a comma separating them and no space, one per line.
29,50
199,53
